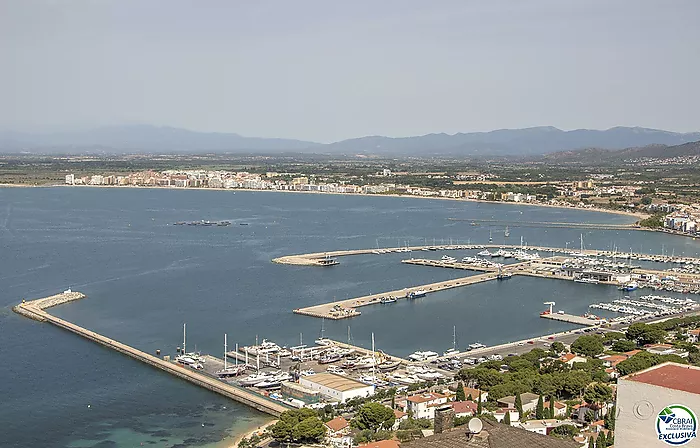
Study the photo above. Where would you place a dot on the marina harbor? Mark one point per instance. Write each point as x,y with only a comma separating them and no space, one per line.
583,266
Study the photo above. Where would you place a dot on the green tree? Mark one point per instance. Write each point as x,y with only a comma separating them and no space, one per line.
299,426
506,418
557,347
539,411
470,398
484,378
373,416
281,431
601,442
645,333
612,336
479,405
597,393
564,431
460,392
310,430
576,381
644,360
405,436
588,345
519,407
623,345
610,419
591,442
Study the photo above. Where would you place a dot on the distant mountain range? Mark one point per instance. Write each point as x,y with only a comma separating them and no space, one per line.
606,156
504,142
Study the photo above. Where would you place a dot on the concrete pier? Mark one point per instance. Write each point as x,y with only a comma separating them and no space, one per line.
314,259
328,310
35,310
572,319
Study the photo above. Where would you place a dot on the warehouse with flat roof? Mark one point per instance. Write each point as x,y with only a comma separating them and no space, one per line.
336,387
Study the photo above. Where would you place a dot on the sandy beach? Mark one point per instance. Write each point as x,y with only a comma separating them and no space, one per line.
631,214
248,433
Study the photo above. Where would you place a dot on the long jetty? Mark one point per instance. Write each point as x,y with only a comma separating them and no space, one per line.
316,258
35,309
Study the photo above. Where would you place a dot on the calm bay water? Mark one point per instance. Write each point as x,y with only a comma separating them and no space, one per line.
145,277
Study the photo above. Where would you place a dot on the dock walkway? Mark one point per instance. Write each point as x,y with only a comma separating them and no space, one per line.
35,310
327,310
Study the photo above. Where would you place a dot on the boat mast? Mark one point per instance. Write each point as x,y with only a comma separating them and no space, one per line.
225,349
582,244
454,337
374,361
184,338
236,354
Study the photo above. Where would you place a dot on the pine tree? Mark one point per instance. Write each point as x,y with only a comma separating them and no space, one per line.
601,442
539,411
551,407
393,402
479,405
591,443
610,419
610,439
519,407
460,392
506,419
470,398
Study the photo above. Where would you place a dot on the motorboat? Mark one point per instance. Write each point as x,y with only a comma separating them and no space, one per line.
336,370
328,358
421,356
416,294
259,377
388,299
476,345
449,352
388,366
430,376
231,371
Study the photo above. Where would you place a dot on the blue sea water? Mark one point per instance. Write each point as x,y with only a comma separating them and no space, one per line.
144,277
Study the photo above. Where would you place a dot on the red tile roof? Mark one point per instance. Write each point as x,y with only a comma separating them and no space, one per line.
422,398
337,424
398,414
632,352
557,404
671,376
382,444
463,407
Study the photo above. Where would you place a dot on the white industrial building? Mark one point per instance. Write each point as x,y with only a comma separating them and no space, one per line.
336,387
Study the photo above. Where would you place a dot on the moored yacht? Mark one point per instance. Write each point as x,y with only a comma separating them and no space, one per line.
259,377
423,356
416,294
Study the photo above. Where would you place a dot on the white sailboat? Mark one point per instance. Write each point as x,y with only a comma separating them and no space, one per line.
230,370
323,340
453,350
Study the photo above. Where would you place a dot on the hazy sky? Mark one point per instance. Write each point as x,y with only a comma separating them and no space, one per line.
328,70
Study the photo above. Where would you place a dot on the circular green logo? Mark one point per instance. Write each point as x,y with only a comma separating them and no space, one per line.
676,425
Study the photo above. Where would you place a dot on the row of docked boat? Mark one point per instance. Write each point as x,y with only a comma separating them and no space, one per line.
193,360
669,300
203,223
266,380
481,262
622,309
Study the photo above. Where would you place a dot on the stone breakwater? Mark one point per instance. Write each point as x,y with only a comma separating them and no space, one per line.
29,308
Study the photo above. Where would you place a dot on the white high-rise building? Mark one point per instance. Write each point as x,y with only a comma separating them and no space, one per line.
70,179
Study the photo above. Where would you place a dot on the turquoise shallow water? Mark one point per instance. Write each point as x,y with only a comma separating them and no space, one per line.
145,277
